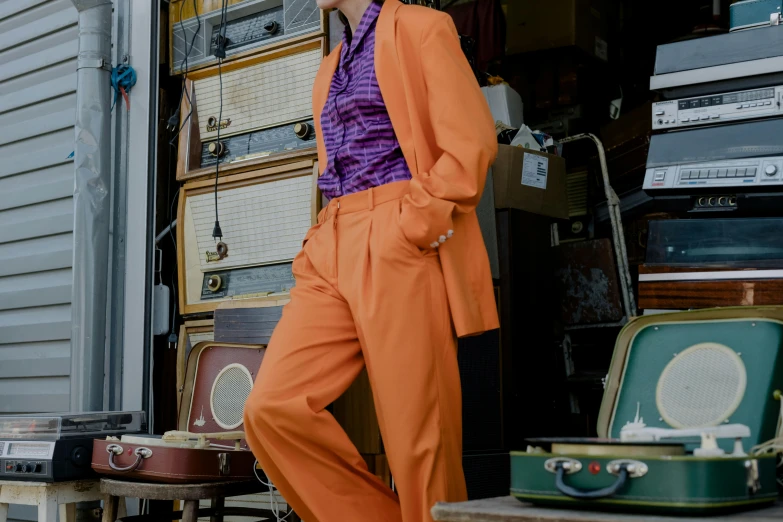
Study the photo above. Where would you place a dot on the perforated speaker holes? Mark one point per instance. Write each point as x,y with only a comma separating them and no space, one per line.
229,392
702,386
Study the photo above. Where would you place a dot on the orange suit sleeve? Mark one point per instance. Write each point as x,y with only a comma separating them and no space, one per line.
464,134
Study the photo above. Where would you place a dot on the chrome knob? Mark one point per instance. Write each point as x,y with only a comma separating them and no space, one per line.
770,170
271,27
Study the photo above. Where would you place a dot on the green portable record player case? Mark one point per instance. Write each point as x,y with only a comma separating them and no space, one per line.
688,398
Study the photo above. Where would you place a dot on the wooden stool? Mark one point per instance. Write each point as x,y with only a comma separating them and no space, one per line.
191,494
49,497
509,509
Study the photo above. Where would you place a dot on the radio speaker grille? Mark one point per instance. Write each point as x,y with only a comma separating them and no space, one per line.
229,393
702,386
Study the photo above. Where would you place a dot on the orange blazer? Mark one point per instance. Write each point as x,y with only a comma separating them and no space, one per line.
447,135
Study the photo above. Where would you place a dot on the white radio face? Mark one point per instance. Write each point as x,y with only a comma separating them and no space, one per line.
264,219
260,96
703,110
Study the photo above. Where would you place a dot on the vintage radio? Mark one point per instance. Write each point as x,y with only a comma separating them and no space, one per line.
703,263
689,411
266,112
57,447
251,26
209,444
718,108
264,215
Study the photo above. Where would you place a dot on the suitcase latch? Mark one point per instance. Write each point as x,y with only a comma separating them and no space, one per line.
635,468
570,466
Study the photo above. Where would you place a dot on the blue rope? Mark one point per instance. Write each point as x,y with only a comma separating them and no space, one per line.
123,76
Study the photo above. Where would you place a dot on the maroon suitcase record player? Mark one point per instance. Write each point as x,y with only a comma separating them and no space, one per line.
209,445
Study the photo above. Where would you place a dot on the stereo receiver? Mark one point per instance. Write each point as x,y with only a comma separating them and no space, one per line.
703,110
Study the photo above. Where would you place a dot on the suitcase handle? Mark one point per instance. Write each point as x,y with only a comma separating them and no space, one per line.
116,449
624,469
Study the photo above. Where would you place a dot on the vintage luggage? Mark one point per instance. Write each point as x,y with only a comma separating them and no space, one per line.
209,445
689,398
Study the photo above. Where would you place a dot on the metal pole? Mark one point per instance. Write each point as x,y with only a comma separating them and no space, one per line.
92,204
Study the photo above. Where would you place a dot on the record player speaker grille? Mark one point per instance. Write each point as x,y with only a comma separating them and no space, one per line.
702,386
229,392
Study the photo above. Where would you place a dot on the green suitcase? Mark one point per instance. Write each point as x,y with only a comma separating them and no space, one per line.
688,423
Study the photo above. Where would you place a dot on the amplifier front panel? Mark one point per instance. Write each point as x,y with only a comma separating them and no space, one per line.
263,95
251,25
264,217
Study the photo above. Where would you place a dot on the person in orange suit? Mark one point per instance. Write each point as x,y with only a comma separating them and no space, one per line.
392,273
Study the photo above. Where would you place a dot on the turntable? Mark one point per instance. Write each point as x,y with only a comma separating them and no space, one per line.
690,413
58,447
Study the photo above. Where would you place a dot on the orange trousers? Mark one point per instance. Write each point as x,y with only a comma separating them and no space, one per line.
364,295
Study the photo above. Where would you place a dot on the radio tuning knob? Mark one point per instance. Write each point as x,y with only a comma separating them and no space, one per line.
214,283
216,149
271,27
302,130
771,170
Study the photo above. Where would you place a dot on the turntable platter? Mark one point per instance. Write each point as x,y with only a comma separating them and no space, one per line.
596,447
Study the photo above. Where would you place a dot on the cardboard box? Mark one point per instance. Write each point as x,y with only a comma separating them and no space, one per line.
531,181
537,26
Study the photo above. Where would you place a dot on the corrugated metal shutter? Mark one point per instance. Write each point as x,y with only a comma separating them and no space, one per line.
38,48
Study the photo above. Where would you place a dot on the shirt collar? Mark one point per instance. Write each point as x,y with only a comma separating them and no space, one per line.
351,42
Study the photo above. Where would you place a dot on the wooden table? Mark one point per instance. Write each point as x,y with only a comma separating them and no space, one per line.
508,509
49,497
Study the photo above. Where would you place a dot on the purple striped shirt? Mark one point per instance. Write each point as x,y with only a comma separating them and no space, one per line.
361,147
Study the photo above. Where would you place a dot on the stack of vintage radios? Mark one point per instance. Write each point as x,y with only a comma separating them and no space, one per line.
232,292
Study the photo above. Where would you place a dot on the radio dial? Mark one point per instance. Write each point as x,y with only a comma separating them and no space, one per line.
302,130
771,170
217,149
28,468
271,27
214,283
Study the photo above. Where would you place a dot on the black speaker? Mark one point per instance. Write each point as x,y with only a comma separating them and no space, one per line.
482,398
487,474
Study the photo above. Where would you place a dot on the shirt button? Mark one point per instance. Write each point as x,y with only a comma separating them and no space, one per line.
449,233
435,244
442,239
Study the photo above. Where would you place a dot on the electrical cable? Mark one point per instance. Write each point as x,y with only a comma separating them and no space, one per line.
272,497
220,53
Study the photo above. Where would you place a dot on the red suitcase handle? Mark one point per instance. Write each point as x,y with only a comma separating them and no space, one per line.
116,449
